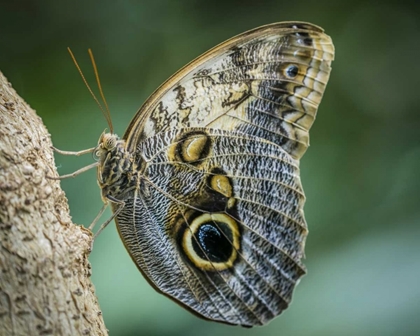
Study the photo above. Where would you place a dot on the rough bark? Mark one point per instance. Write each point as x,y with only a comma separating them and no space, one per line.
45,286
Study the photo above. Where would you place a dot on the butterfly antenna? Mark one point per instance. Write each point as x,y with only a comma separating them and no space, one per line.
90,90
107,113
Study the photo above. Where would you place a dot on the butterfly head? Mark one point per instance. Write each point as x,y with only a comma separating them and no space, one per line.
106,143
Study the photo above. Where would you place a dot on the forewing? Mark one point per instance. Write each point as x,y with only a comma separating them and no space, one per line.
267,82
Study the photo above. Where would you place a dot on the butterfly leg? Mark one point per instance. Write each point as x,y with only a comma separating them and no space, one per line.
121,205
77,172
82,152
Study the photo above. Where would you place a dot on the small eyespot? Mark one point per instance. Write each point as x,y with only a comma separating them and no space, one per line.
306,41
292,71
192,148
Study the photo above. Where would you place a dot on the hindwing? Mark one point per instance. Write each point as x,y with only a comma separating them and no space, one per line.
217,223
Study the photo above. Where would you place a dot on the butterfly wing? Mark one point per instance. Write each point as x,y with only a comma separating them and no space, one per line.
266,82
217,222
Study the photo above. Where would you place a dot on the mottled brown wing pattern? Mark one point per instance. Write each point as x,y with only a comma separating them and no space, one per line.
247,189
267,83
213,215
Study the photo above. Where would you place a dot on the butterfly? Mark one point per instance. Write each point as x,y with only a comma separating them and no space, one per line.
205,185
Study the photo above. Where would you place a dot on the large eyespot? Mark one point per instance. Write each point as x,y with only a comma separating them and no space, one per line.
211,241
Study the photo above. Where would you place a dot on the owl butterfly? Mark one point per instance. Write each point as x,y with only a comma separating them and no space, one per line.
205,183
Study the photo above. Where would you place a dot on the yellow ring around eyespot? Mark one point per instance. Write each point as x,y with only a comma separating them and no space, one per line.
188,238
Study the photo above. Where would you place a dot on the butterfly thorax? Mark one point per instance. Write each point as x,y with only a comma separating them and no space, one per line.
117,171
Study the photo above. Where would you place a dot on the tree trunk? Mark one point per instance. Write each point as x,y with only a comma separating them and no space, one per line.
45,286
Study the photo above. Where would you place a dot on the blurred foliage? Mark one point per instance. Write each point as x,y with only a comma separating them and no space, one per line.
361,174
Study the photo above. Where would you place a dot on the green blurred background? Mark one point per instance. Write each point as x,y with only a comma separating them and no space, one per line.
361,174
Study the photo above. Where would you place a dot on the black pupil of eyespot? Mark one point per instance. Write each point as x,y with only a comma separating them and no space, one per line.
211,243
292,71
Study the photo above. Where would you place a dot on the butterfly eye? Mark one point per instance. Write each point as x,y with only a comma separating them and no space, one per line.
292,71
109,141
211,242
